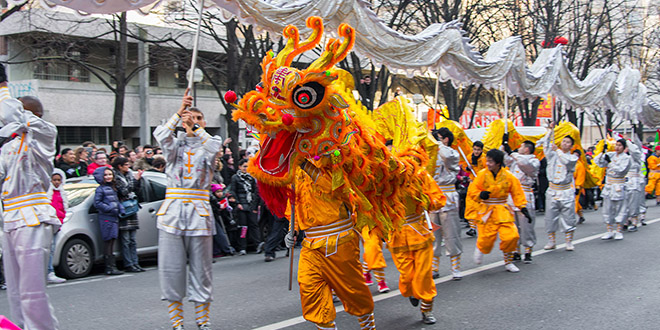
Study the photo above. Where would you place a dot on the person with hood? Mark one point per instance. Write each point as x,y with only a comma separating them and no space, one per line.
128,185
60,203
109,207
244,187
26,164
221,210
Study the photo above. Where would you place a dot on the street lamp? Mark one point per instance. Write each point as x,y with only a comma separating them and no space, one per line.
197,77
417,99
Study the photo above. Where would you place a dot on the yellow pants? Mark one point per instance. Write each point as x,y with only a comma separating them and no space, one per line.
654,184
416,278
341,271
373,251
578,206
488,233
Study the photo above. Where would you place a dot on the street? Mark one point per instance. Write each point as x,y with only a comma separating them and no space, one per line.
601,285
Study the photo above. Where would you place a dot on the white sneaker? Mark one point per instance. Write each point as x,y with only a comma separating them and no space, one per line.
478,256
608,235
456,275
618,235
511,268
569,246
53,279
550,246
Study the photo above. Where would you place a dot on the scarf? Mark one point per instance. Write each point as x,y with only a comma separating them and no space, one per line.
246,179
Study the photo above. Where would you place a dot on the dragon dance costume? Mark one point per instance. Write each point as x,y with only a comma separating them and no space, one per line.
446,170
560,196
493,216
186,226
636,200
653,186
29,221
412,247
525,168
614,192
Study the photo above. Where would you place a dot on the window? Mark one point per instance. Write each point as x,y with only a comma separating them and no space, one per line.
153,77
78,135
60,69
158,190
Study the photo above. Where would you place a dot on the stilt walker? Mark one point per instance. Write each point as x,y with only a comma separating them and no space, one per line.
488,195
560,196
29,222
525,167
446,170
614,193
186,228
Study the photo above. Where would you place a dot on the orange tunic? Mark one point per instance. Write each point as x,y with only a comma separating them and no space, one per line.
654,175
493,216
412,246
330,255
481,164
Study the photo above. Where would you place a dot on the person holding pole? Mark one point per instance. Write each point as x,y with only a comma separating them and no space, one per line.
330,255
614,192
446,170
560,196
29,221
525,167
186,226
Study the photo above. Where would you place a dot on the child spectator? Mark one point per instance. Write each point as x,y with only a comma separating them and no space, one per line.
109,208
60,203
221,211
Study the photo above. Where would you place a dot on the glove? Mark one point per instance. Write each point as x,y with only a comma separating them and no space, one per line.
3,73
577,192
507,149
526,214
290,239
605,147
484,195
505,138
607,158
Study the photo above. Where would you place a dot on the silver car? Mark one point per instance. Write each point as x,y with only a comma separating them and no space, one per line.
78,245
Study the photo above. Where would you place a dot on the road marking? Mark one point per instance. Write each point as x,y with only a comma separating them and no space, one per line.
394,293
93,279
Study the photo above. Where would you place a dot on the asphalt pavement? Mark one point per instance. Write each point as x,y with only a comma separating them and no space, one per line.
601,285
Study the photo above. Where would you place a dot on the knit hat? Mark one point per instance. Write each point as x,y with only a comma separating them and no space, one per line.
215,187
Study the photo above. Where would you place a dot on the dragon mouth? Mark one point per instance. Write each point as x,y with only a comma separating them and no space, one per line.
275,155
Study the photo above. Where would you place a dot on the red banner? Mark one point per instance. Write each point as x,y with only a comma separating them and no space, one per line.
545,108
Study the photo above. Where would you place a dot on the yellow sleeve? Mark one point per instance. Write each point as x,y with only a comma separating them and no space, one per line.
654,163
517,193
580,174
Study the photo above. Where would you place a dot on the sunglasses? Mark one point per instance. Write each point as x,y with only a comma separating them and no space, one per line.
149,152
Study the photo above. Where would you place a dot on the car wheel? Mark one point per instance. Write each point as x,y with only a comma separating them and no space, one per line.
76,259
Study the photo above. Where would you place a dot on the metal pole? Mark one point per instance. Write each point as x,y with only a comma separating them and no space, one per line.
291,229
467,161
506,110
193,61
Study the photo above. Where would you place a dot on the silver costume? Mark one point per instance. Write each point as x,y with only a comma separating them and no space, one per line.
446,170
185,220
614,191
560,196
525,168
635,182
26,164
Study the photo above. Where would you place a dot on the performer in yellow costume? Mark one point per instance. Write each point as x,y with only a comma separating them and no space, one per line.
654,175
373,261
412,246
487,198
579,175
329,259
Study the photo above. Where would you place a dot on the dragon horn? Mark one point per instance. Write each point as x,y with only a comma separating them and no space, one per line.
335,50
293,47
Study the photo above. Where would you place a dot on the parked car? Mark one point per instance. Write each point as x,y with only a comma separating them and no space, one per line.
78,245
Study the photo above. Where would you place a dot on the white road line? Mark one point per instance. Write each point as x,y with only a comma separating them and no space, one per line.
394,293
92,279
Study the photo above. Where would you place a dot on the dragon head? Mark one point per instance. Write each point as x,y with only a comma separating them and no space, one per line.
300,114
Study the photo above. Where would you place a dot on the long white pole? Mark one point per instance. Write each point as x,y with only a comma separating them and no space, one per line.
506,109
193,61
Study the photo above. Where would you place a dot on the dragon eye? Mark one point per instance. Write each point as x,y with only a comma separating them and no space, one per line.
308,95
